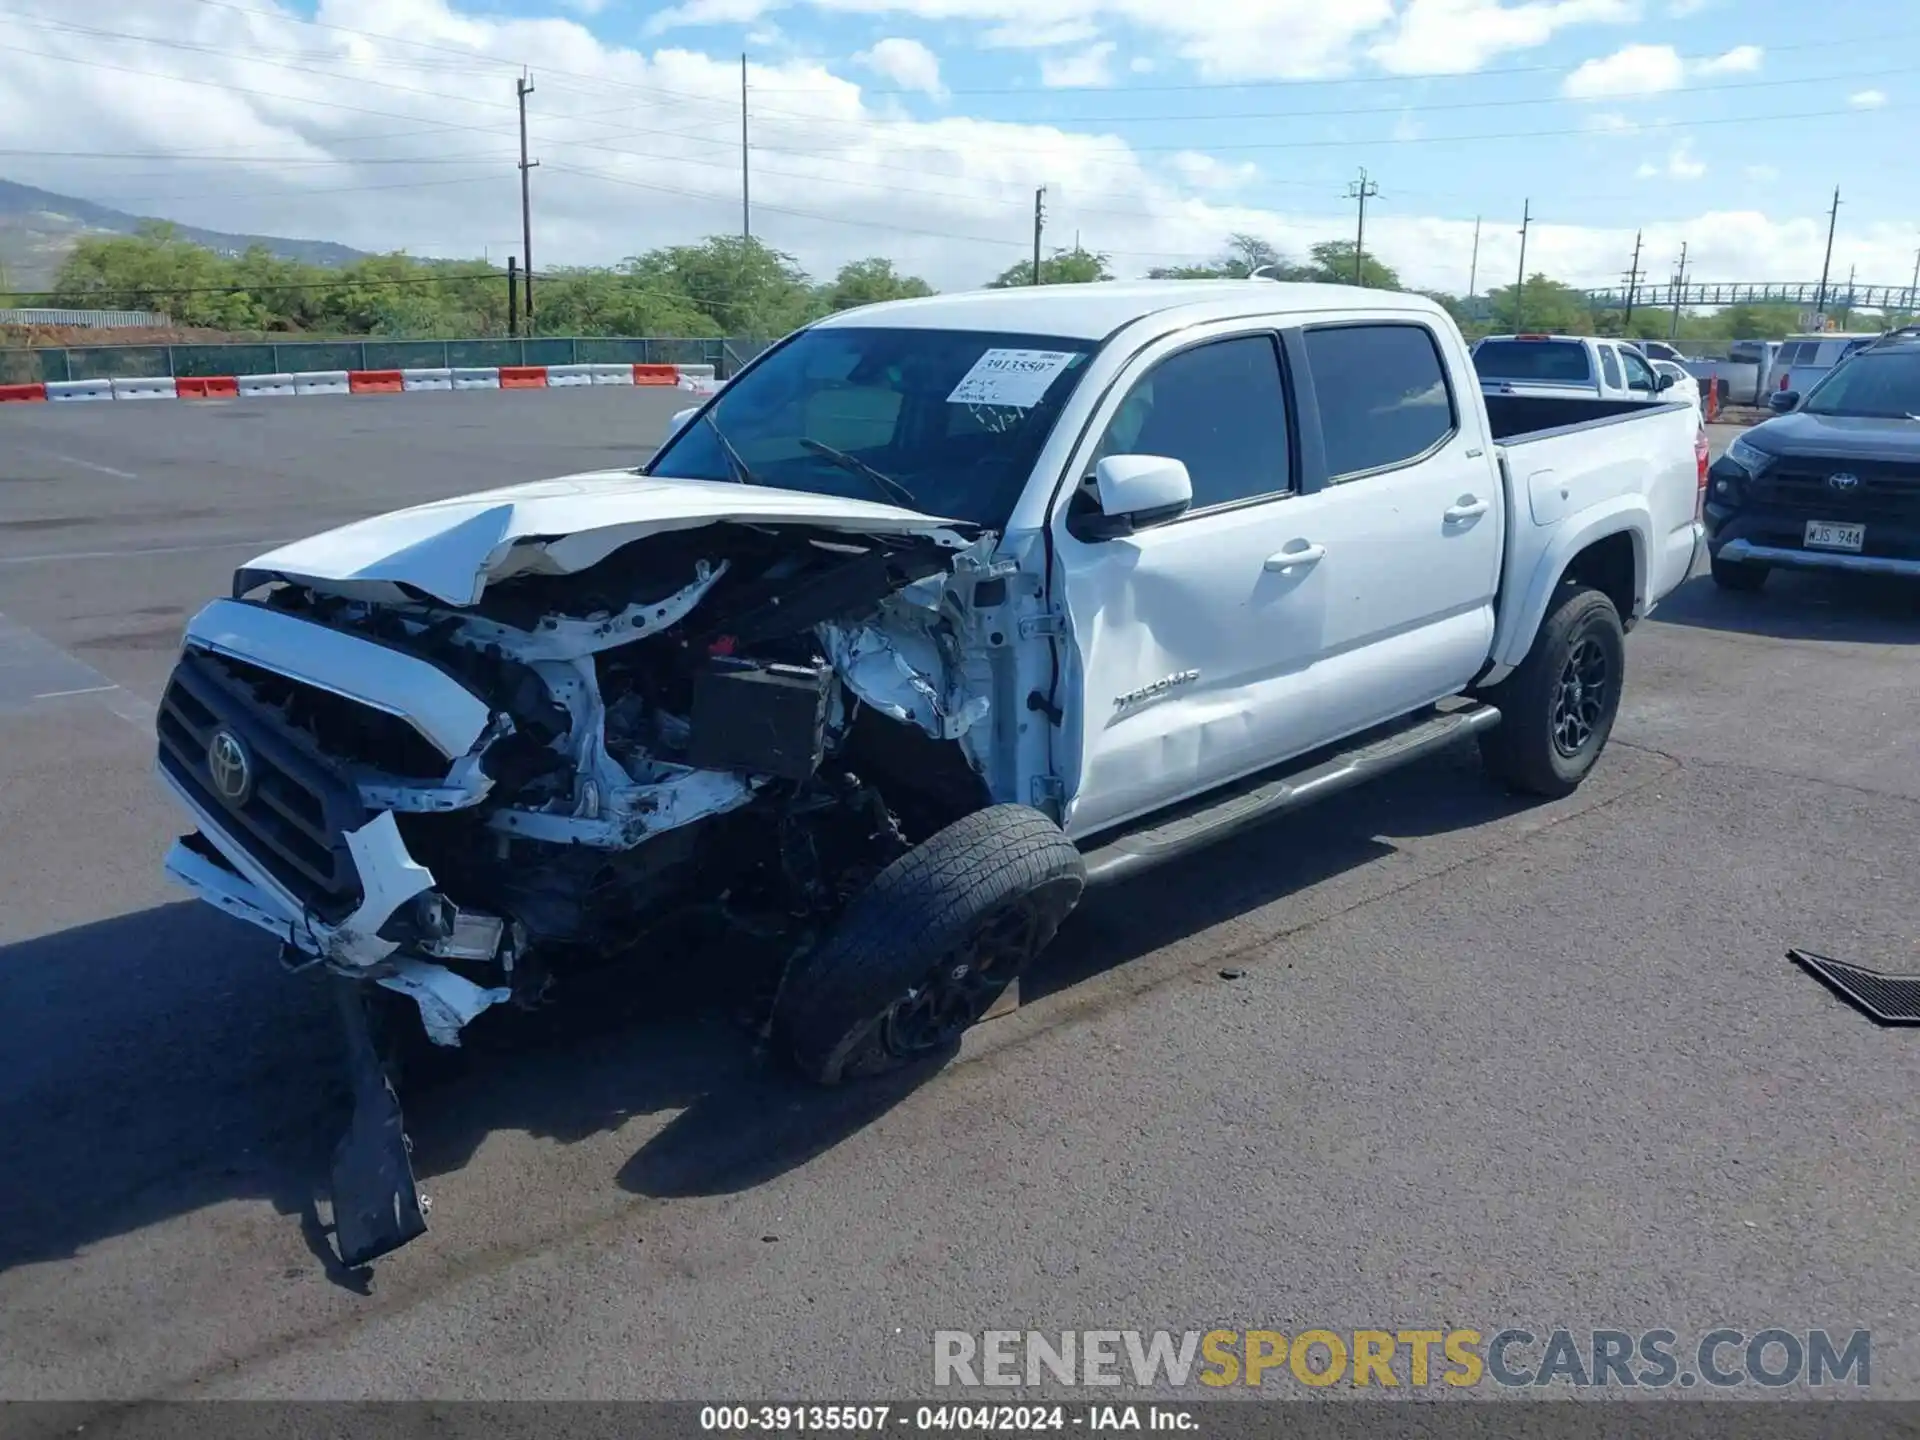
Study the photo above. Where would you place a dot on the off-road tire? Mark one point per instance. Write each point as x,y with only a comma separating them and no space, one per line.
1741,575
1523,751
837,1010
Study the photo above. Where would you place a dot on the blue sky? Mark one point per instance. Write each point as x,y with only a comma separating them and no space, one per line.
918,128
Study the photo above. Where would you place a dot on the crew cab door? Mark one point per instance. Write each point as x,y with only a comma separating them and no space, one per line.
1337,567
1190,650
1404,495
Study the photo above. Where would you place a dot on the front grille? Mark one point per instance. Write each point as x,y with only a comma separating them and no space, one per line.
1881,492
341,729
294,818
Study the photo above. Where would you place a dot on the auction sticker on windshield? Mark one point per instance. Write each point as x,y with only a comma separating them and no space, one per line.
1011,377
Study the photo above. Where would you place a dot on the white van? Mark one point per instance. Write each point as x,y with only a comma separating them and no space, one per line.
1805,359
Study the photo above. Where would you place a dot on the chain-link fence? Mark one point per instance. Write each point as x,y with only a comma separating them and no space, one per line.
100,362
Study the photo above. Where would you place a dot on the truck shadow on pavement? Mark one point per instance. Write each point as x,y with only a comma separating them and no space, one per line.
1856,609
160,1063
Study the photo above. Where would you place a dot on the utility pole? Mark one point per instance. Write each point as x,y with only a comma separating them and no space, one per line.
1913,290
1633,283
1846,312
513,295
1039,223
1820,301
1520,287
1473,269
1362,190
746,209
1679,287
522,88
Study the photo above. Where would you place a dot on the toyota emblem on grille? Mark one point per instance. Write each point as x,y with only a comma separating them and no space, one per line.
1842,481
229,767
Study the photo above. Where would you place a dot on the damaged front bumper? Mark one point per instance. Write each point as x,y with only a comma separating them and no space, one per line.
389,878
376,1201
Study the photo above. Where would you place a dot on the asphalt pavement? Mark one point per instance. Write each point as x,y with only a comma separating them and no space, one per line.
1478,1062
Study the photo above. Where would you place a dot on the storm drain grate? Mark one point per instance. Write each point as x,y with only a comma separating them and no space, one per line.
1887,999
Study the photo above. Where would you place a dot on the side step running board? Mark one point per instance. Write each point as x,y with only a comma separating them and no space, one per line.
1214,817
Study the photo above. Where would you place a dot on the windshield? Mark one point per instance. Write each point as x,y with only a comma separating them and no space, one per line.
1556,361
952,418
1886,385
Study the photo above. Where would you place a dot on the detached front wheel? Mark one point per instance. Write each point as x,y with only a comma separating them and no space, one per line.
928,947
1558,707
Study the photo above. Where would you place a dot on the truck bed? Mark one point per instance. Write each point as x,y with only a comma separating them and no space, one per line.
1568,464
1518,419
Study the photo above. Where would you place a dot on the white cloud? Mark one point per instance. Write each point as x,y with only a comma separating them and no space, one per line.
1039,37
1140,65
1681,164
710,12
1209,172
641,150
1681,9
1460,36
1741,60
1634,70
1085,69
1867,99
1652,70
1610,122
907,63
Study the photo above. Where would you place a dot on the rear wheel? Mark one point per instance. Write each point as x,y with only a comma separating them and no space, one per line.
927,948
1742,575
1558,706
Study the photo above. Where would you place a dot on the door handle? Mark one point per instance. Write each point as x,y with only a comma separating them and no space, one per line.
1468,509
1285,560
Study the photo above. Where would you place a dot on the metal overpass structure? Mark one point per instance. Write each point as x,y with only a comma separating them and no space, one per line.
1897,299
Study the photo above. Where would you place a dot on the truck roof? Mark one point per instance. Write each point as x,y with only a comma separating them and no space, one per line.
1095,311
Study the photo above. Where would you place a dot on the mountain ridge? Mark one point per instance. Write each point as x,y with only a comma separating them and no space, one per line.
39,228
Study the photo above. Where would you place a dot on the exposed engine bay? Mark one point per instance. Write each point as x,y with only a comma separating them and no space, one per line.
734,724
450,755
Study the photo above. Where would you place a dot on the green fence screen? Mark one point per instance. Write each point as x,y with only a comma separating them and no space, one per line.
95,362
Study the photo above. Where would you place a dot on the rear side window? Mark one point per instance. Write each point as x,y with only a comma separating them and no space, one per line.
1550,361
1219,408
1609,367
1382,395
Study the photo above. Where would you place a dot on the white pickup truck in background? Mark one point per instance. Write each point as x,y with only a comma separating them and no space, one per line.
1572,366
938,612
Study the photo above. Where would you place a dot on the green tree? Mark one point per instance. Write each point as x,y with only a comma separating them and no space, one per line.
742,285
870,281
1063,267
1547,307
1243,255
1332,263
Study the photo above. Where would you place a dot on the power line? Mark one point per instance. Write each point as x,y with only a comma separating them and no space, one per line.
1349,111
1363,190
1404,78
523,87
1520,286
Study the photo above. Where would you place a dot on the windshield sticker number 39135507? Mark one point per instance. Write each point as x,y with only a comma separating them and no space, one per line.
1017,378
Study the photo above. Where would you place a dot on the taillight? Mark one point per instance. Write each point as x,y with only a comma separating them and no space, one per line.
1701,452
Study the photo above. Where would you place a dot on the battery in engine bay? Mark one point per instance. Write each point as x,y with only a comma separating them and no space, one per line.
763,718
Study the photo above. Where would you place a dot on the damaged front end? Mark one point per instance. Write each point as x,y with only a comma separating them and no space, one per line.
592,752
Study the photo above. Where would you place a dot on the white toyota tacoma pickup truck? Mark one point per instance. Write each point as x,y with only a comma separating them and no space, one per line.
937,613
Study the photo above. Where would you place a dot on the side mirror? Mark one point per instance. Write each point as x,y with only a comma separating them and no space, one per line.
1664,381
1135,491
1781,401
680,418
